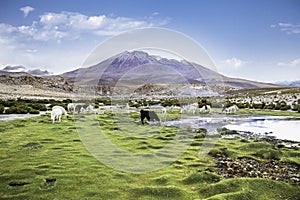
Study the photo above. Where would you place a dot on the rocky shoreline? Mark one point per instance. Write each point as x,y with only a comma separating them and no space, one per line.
246,167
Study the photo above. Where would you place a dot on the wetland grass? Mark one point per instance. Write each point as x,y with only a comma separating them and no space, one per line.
44,161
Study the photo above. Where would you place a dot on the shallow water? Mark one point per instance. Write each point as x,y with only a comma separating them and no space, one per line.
8,117
279,127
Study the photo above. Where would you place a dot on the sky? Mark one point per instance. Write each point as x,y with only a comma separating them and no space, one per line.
253,39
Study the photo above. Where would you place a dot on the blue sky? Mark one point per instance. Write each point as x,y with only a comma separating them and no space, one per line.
255,39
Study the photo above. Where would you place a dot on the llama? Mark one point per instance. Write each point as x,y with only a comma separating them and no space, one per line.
62,110
189,108
82,110
89,109
164,113
149,115
205,109
71,107
56,113
231,109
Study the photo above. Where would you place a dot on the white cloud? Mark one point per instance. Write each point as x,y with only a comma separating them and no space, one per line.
234,62
288,28
26,10
25,44
293,63
70,25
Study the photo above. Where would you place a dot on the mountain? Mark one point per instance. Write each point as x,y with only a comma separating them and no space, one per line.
289,83
58,83
138,67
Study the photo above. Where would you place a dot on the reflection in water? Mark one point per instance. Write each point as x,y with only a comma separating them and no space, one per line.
280,127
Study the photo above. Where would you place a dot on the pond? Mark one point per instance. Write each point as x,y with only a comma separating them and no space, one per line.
8,117
279,127
284,128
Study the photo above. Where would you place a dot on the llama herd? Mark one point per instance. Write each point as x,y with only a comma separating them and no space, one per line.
291,100
150,115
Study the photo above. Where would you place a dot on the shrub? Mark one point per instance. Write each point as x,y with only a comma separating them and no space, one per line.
20,109
225,131
170,102
270,106
285,107
59,104
66,101
105,101
282,106
219,152
202,102
257,106
33,111
8,103
38,106
1,109
151,103
268,154
242,105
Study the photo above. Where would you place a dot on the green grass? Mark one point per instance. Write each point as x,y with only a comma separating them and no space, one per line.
40,160
246,188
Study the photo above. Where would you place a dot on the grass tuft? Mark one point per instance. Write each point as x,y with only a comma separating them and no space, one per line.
200,177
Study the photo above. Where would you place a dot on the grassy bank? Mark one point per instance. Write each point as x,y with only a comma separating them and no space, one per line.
44,161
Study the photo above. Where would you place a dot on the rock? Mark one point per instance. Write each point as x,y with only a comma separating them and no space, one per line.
246,167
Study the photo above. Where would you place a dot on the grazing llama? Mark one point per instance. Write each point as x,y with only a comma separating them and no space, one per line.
149,115
189,108
205,109
57,112
231,109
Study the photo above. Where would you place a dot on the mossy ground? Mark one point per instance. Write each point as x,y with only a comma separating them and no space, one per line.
40,160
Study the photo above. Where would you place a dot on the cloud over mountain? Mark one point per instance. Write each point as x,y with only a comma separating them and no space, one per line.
36,72
13,68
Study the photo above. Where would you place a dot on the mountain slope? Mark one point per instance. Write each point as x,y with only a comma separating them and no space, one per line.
46,82
290,83
138,67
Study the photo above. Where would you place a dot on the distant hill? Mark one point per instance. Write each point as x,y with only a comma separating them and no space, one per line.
290,83
131,68
43,82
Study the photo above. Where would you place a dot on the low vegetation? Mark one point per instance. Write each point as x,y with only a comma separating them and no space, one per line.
44,161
